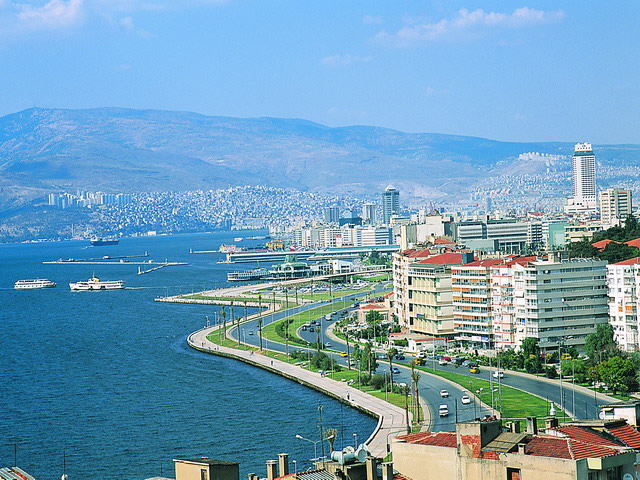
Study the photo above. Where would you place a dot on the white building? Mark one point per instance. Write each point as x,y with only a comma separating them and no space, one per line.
623,281
583,167
615,205
559,302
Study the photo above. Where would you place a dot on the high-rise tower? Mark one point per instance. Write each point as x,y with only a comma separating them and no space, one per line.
390,203
583,166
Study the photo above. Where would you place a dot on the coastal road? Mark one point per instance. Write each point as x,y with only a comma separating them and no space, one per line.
429,386
578,402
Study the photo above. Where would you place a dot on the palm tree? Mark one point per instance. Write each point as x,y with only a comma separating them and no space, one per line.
346,336
331,434
224,320
260,319
405,392
391,353
415,376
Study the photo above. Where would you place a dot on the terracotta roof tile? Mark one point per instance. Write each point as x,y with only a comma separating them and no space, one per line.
442,241
585,434
420,253
436,439
567,448
631,261
443,259
626,434
634,243
485,263
602,244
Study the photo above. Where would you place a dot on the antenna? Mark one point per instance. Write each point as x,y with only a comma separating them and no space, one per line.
64,465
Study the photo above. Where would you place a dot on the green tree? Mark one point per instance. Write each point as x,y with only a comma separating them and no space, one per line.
391,353
616,252
601,345
531,354
619,374
369,359
583,249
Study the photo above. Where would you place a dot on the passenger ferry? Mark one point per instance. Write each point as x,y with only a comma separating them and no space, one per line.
36,283
257,274
94,283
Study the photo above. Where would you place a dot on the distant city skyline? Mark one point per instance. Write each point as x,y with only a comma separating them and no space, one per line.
533,71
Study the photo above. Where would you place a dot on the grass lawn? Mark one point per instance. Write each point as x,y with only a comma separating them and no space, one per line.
344,374
516,404
269,331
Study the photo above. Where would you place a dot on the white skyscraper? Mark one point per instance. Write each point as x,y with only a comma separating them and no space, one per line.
583,166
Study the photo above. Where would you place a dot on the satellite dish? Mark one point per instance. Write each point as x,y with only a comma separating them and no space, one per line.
627,476
362,453
601,417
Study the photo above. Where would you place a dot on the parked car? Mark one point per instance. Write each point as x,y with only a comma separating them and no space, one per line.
442,361
304,328
443,411
498,374
465,400
311,329
250,332
421,355
444,393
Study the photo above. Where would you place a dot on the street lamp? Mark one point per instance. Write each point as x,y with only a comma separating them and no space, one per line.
315,443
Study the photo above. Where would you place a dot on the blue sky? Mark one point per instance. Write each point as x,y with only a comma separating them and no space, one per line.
523,71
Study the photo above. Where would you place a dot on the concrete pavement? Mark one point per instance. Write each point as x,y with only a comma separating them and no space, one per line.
391,419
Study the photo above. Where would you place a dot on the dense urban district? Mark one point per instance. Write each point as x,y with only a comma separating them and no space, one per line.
523,324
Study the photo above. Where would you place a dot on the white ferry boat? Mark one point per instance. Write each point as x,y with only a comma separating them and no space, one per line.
36,283
257,274
94,283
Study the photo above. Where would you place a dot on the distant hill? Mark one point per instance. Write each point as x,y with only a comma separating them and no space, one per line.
113,149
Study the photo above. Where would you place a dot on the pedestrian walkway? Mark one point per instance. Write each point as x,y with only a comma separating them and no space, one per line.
392,420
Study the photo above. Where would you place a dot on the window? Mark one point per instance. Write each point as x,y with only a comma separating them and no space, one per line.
204,474
614,473
513,474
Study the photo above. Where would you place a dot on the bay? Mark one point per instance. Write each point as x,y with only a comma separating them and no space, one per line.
107,377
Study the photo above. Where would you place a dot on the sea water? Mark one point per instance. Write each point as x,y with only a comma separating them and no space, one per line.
106,379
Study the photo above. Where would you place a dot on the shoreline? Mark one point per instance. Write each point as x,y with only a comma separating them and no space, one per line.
391,419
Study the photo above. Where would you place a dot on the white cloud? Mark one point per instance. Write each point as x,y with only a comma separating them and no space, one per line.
344,59
415,33
372,20
54,14
432,92
127,23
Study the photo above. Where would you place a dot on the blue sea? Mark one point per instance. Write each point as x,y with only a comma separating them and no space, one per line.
107,380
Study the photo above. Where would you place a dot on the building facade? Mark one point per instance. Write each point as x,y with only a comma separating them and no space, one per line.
623,282
615,205
583,169
390,204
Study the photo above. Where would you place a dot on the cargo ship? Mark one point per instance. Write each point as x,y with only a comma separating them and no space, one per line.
99,242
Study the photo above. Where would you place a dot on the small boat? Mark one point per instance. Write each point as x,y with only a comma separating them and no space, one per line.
36,283
237,239
94,283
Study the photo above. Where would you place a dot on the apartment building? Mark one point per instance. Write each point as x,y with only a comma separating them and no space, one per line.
615,205
623,282
422,289
471,298
480,449
559,302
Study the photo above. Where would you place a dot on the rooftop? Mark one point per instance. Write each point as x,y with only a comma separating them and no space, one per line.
443,259
630,261
205,461
436,439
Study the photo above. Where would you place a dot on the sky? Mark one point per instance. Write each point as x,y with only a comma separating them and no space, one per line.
512,71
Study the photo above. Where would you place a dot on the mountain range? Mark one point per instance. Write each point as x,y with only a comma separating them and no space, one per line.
126,150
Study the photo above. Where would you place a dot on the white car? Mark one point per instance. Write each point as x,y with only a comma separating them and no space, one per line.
443,362
465,400
444,393
443,411
498,374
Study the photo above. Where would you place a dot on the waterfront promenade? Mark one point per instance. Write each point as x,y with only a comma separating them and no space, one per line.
392,420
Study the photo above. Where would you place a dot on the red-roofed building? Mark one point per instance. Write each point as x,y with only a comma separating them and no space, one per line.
480,450
600,245
422,291
634,243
